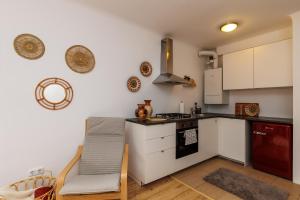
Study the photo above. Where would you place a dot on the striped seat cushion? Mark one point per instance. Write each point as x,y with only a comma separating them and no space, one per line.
102,154
91,184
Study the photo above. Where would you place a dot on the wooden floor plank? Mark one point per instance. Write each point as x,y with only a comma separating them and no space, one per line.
193,177
164,189
188,184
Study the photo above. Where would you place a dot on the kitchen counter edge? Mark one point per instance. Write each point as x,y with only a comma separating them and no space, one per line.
214,115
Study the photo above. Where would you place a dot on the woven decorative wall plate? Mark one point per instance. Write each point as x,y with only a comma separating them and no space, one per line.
29,46
252,109
247,109
54,93
80,59
133,84
146,69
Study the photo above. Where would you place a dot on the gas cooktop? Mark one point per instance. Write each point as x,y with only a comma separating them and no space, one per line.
173,115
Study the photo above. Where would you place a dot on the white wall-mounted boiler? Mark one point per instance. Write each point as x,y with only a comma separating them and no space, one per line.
213,87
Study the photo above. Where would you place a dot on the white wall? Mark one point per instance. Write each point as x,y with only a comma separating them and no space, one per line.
32,136
274,102
296,96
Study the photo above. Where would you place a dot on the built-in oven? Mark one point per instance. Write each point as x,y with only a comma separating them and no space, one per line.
186,138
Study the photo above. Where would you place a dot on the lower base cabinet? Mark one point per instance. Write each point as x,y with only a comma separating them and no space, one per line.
224,137
208,137
152,149
159,164
232,139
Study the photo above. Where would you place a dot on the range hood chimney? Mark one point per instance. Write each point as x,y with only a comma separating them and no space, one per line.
166,65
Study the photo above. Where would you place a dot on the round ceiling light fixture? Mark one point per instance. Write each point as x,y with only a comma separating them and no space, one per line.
229,27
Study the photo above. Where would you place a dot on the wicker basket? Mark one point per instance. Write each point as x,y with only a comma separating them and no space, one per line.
37,182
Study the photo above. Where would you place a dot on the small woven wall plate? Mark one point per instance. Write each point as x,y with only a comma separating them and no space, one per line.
133,84
29,46
80,59
146,69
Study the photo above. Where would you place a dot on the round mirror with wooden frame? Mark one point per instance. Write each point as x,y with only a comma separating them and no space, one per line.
54,93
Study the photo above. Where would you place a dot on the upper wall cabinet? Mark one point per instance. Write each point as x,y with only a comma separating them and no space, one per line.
265,66
273,65
238,70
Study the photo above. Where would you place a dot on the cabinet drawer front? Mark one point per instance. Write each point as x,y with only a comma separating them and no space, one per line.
162,130
159,164
162,143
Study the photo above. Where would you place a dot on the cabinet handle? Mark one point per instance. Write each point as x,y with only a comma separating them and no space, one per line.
269,128
162,151
162,138
259,133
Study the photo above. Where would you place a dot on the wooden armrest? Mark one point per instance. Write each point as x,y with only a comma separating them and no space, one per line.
124,173
125,162
62,176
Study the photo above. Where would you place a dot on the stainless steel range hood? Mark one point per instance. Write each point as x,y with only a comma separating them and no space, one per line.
166,65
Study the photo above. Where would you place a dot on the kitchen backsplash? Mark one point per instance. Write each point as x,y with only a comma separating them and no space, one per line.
274,102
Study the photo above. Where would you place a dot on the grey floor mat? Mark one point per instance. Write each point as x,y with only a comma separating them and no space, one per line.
245,187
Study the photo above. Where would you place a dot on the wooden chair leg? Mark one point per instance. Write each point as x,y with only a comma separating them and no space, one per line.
124,174
58,188
59,197
124,190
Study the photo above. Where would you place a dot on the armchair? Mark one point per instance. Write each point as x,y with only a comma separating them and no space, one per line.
98,171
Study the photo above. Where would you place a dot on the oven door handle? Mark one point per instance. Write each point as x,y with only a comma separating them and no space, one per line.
186,129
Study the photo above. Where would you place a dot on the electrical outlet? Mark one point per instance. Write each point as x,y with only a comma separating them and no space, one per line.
36,171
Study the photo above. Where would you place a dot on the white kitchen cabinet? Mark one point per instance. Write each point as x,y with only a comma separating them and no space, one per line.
213,87
264,66
232,139
151,150
159,164
273,65
161,143
238,70
208,137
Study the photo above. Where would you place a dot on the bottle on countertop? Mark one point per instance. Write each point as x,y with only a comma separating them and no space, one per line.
197,109
181,107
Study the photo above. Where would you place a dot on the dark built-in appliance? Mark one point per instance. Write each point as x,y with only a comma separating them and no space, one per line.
272,148
184,148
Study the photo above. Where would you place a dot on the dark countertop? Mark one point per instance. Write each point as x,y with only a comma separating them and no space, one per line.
214,115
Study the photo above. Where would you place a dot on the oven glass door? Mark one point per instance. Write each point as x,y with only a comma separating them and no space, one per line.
183,148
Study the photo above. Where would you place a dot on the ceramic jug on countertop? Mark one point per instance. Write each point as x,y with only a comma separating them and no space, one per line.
149,108
141,112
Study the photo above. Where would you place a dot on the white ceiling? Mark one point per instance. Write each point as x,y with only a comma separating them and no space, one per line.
198,21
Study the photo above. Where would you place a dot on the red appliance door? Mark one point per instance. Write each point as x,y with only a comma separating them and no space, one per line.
272,148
